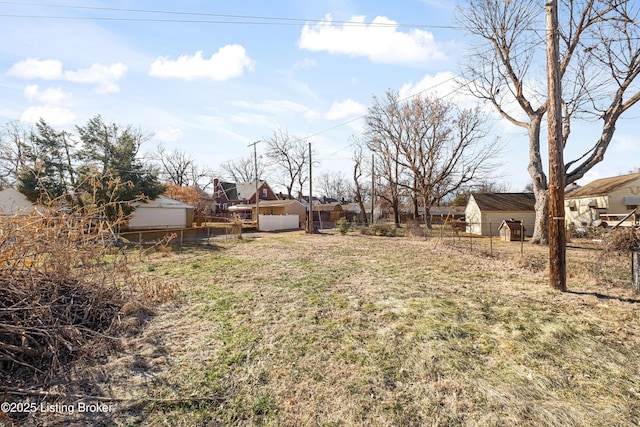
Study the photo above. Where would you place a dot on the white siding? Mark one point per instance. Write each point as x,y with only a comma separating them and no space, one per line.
487,223
584,210
151,218
12,202
279,222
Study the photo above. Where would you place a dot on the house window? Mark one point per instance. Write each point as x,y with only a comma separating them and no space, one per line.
264,192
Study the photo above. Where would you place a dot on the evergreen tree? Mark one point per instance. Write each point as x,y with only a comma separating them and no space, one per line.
111,172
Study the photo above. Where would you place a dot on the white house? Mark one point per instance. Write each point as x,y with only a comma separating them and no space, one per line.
486,211
160,213
13,202
602,199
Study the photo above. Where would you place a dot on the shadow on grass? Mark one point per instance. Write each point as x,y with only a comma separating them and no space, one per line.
607,297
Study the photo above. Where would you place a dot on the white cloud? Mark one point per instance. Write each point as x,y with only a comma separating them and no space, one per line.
34,68
228,62
379,41
48,96
345,109
168,134
442,84
55,116
103,76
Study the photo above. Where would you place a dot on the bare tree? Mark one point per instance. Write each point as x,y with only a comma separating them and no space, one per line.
335,185
290,155
431,147
359,163
179,168
600,60
243,169
383,133
13,139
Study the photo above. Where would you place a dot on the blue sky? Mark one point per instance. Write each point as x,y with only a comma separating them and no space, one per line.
212,87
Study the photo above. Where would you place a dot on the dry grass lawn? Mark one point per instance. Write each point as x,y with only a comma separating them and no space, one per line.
330,330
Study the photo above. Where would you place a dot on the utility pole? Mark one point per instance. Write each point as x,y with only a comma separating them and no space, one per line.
373,182
557,236
255,165
310,226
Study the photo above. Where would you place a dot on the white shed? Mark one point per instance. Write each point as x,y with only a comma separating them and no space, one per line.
160,213
13,202
486,211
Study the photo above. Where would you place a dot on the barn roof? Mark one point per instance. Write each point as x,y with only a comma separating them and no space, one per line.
603,186
492,202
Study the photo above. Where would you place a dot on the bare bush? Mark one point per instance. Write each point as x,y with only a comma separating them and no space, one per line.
65,284
236,226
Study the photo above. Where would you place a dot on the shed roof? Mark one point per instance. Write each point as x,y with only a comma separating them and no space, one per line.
512,202
512,224
274,203
163,202
603,186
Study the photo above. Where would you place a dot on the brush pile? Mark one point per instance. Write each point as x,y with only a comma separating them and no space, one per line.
621,240
66,289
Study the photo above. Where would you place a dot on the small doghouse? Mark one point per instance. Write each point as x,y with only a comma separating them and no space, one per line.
511,230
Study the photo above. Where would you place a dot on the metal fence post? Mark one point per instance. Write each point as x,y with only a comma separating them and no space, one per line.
522,237
637,270
490,240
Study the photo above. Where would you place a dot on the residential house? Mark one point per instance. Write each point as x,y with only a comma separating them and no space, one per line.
485,212
608,199
227,194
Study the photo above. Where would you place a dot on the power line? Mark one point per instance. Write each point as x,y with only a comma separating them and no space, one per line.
233,19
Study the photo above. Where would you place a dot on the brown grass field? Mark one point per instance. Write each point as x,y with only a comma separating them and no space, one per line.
328,330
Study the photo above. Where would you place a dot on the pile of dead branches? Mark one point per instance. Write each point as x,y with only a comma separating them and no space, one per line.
621,240
66,288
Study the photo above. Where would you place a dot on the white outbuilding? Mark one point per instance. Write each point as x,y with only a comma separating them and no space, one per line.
161,213
13,202
485,212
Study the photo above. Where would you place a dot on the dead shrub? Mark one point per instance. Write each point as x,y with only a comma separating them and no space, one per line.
388,230
415,229
65,284
236,226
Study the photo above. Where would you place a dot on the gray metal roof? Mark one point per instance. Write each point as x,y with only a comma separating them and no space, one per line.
499,202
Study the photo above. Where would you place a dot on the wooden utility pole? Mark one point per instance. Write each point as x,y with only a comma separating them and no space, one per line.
310,227
255,165
557,236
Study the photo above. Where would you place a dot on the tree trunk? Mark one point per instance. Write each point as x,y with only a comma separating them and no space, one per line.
539,181
396,212
541,229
